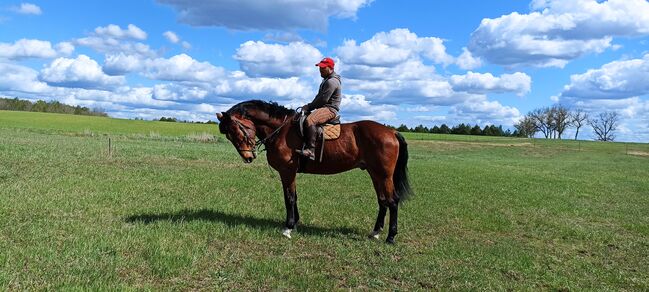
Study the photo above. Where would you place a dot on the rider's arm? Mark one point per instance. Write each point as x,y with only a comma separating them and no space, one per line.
324,94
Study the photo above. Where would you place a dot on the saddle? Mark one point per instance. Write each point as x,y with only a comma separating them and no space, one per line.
327,131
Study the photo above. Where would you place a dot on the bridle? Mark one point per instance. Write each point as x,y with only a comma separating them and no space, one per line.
258,143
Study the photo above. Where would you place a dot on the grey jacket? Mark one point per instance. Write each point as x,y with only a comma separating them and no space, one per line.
329,94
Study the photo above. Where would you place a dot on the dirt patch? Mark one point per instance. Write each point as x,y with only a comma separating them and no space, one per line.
639,153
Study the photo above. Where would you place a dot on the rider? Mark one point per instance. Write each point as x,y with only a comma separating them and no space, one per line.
324,107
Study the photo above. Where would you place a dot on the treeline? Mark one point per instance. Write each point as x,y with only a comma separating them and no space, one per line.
42,106
174,120
461,129
553,121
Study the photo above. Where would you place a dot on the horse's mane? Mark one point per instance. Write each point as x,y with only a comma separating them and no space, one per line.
273,109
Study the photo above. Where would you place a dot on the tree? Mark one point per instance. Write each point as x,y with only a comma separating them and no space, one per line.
561,117
435,129
420,129
476,130
526,127
444,129
543,121
403,128
578,118
604,125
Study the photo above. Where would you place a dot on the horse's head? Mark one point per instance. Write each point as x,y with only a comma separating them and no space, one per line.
241,132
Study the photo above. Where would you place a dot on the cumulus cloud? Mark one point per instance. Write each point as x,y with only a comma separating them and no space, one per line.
265,15
26,48
28,8
112,40
181,68
16,78
467,61
615,80
171,36
520,83
480,110
114,31
81,72
558,31
392,48
357,107
259,59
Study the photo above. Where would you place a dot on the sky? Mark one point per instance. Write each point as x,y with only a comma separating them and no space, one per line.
402,62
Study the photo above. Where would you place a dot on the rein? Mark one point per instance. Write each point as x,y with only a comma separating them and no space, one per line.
258,143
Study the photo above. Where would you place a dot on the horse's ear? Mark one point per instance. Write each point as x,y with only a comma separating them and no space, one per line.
219,116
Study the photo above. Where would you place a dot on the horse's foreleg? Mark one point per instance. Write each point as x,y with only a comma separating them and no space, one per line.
290,201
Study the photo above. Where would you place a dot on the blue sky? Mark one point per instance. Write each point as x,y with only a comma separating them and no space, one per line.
412,62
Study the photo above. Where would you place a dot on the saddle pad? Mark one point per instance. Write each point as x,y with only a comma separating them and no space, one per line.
331,132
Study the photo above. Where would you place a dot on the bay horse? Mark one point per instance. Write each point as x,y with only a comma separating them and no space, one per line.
367,145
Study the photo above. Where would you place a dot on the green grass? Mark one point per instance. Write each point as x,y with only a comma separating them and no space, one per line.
169,212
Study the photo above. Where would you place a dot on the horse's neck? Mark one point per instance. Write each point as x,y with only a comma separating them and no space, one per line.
266,125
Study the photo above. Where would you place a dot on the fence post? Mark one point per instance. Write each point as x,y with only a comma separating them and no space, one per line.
110,151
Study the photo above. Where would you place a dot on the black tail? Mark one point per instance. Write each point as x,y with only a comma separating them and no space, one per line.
400,178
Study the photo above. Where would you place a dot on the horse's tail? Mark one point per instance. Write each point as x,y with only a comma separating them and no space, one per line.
400,177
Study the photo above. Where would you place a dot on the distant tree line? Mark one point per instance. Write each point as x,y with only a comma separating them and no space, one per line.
16,104
553,121
461,129
174,120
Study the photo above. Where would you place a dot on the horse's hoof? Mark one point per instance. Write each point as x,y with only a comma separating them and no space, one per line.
287,232
374,235
389,240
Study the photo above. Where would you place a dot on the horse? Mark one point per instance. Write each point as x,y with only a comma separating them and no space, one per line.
367,145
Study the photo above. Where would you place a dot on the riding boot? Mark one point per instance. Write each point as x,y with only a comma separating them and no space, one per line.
310,137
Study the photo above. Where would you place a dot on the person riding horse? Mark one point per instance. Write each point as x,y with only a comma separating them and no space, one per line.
324,107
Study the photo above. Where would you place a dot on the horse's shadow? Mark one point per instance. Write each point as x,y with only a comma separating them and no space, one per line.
233,220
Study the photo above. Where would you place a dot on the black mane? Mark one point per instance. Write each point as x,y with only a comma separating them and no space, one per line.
273,109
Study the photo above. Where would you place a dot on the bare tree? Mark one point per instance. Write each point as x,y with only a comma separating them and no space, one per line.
578,119
526,127
561,117
543,120
604,125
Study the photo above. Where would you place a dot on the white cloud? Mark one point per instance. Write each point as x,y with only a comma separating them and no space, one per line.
265,15
121,64
182,68
259,59
113,40
16,78
115,46
619,79
81,72
114,31
482,111
357,107
26,48
520,83
171,36
28,8
560,32
394,47
467,61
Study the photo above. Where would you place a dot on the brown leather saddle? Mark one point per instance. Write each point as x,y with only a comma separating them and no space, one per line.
327,131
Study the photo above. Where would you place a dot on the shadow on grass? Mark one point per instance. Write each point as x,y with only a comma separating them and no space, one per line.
236,220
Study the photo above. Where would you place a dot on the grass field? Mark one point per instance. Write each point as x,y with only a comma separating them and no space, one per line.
170,209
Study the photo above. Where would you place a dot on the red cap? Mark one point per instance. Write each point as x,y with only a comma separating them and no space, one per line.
326,62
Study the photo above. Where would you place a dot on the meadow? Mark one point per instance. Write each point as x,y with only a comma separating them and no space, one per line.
172,206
